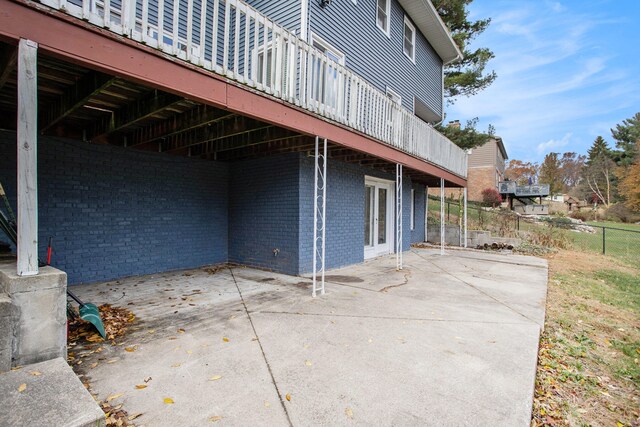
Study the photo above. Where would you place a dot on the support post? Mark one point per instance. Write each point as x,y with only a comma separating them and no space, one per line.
398,216
426,213
442,228
319,214
465,216
27,156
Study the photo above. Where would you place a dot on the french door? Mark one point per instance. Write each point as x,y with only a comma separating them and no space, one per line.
378,217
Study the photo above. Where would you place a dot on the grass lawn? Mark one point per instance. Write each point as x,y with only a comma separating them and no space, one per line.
588,363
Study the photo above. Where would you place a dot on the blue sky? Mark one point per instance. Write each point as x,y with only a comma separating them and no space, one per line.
568,71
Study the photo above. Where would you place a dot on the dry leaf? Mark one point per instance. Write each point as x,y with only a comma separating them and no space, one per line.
168,401
141,386
130,349
112,361
35,373
93,365
225,339
175,365
215,378
308,362
266,404
181,331
114,396
189,352
146,380
348,412
215,418
288,397
22,388
134,416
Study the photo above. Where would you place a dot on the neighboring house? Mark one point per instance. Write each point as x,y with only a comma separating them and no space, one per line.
486,167
192,141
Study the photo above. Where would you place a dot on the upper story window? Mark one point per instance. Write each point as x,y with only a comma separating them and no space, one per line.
409,39
325,77
383,12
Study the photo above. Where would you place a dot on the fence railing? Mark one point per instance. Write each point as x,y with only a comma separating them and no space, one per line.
511,187
614,241
232,39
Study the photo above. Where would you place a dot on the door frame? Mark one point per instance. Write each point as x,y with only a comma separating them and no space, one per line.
388,248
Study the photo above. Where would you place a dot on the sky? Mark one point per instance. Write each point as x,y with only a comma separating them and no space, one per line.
568,71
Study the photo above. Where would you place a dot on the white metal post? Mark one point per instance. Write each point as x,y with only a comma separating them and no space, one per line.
319,213
27,158
398,216
465,216
442,228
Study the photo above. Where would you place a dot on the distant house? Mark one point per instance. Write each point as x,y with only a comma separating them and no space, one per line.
486,167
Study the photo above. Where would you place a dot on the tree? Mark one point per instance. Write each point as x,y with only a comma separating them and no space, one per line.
629,186
520,171
598,172
626,135
571,165
466,137
466,77
599,147
551,173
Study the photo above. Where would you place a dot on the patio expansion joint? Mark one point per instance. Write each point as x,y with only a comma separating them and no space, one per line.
362,316
264,356
477,289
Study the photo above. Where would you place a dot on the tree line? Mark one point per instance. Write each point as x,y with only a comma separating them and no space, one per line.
605,175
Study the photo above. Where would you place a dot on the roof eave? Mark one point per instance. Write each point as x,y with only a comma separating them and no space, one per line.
431,25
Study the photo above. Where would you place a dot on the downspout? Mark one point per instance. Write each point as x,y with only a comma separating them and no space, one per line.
304,19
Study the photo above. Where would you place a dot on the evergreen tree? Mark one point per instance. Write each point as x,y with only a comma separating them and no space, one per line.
598,148
466,77
626,135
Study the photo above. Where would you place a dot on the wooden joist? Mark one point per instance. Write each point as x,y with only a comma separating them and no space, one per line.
8,61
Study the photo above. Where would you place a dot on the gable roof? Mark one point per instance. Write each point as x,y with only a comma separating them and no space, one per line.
428,21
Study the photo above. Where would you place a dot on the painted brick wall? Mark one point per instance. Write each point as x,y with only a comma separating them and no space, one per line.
114,212
345,213
263,212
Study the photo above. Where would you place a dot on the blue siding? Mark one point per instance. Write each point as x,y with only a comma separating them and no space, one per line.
379,59
114,212
417,235
263,213
285,13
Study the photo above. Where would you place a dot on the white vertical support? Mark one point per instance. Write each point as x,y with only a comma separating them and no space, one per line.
398,216
319,214
442,228
27,157
426,212
465,216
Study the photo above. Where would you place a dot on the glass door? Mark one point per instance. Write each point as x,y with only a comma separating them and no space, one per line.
378,217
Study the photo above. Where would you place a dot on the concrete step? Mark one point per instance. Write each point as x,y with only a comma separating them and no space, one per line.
52,396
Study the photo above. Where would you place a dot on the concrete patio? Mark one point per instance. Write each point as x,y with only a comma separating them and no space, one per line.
450,340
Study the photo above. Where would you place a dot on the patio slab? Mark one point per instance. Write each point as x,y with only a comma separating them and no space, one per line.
450,340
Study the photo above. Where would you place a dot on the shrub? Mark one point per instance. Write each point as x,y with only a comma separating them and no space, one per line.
491,197
583,215
621,213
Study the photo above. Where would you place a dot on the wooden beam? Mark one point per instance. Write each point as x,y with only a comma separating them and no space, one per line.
143,108
8,60
202,115
27,156
74,97
257,137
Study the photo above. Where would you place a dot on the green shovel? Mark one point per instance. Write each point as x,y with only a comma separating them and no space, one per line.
90,313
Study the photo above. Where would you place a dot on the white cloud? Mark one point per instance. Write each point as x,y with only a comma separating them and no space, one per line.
553,144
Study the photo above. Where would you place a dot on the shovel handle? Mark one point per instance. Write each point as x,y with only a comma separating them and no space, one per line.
75,298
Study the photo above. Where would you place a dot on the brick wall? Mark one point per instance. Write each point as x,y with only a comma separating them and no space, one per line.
479,179
263,212
114,212
345,213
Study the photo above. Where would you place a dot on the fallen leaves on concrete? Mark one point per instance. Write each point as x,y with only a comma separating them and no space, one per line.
168,401
22,388
116,416
215,418
116,320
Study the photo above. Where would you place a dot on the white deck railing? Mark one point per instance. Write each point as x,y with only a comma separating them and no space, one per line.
234,40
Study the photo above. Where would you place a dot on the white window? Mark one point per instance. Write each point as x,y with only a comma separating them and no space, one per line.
413,208
383,12
326,78
409,39
262,72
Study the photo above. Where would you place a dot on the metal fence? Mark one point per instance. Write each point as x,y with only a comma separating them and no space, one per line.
620,241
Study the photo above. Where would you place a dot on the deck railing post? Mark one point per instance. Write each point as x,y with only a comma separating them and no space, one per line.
465,193
442,227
